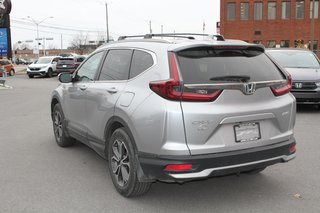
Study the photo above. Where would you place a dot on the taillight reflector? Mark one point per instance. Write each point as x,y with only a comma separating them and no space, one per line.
178,167
292,148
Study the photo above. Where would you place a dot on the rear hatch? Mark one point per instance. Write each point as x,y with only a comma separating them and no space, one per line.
66,63
232,98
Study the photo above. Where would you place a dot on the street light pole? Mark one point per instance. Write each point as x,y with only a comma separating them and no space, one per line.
107,22
37,23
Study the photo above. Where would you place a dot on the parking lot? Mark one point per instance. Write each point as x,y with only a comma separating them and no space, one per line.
38,176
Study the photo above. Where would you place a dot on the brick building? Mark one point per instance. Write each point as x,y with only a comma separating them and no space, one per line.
273,23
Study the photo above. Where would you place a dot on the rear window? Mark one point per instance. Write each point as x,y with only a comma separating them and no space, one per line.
208,65
66,61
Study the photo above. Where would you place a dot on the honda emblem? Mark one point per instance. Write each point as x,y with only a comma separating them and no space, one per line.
249,88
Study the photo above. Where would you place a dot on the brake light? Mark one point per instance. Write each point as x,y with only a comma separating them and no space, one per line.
292,148
178,167
171,89
284,88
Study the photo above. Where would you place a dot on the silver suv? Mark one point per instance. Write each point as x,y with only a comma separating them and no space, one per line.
176,108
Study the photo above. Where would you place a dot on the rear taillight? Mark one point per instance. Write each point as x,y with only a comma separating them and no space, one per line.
283,88
171,89
292,149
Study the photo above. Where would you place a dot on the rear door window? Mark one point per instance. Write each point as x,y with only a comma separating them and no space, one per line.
207,65
116,65
141,61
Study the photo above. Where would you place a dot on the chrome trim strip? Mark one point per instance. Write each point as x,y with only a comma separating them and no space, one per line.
236,86
207,172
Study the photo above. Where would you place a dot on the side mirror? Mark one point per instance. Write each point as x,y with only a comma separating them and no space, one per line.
65,77
54,62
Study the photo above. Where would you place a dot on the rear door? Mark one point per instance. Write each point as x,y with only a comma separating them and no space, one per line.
247,106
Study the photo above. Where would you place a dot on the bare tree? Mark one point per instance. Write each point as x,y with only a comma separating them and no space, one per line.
79,43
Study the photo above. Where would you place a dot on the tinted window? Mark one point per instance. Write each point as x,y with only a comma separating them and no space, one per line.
294,59
141,61
80,59
201,65
116,66
66,61
89,69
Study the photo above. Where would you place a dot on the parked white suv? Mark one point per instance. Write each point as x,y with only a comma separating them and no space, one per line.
44,66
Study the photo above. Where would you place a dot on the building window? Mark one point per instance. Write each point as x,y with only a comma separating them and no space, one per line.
299,9
316,9
285,43
286,10
272,10
244,11
257,42
315,45
231,13
299,43
271,44
258,11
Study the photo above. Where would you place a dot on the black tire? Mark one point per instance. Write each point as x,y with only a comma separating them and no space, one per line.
59,128
123,165
12,72
255,171
31,76
49,73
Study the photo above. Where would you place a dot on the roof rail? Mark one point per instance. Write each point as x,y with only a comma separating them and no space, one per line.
174,35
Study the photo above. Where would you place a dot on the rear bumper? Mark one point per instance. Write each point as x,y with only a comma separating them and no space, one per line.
218,164
307,97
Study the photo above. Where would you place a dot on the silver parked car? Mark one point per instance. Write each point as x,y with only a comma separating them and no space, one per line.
304,67
177,109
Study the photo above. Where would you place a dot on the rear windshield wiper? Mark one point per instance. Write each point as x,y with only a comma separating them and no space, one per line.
232,78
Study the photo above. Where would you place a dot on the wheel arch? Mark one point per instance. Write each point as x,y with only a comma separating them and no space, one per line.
114,123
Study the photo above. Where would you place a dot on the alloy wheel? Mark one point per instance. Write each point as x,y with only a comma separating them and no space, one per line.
120,162
57,123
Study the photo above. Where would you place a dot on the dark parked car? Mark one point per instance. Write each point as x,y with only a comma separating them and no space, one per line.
304,67
20,61
69,64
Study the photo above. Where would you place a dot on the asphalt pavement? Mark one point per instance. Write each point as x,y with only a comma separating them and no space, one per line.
38,176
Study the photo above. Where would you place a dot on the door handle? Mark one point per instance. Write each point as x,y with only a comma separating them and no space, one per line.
112,90
83,87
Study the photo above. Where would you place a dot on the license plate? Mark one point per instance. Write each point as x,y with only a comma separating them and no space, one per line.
245,132
64,65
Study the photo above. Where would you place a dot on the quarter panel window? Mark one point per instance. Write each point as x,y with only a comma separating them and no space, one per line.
116,66
141,61
89,69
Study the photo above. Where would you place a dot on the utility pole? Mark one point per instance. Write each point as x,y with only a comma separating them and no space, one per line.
61,45
150,27
312,26
107,22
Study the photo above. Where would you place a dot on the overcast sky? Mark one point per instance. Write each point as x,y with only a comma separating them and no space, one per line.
126,17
